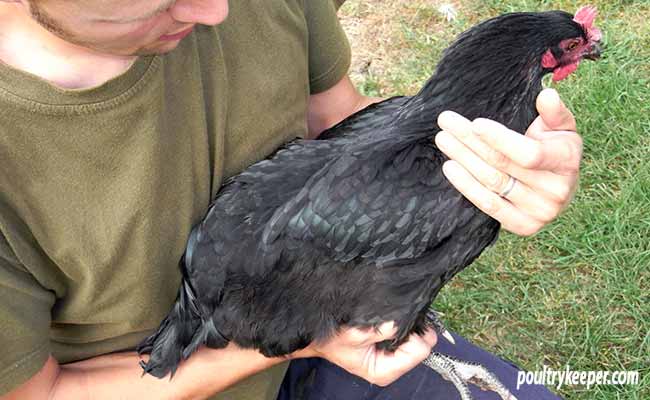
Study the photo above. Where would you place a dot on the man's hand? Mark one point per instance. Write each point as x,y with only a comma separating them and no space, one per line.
354,350
545,163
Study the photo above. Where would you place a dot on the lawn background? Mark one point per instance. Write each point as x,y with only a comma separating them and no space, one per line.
578,293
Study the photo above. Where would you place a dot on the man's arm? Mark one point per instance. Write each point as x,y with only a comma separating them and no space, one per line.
119,375
332,106
210,371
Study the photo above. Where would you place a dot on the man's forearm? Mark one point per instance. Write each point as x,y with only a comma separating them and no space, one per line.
119,375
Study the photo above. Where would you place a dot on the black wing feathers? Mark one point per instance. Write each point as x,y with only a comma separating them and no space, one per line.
362,207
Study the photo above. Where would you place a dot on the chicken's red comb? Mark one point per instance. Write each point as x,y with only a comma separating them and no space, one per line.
586,16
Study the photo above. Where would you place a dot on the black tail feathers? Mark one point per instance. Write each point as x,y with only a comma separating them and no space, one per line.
184,329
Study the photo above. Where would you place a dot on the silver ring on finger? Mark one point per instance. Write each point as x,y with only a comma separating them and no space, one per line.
509,186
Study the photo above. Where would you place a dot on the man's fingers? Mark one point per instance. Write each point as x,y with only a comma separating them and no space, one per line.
504,149
537,193
485,154
511,218
370,335
498,145
559,152
416,348
460,128
506,143
390,366
385,331
430,338
456,124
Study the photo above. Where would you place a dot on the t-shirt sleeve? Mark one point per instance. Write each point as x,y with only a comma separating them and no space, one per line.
24,320
329,49
338,3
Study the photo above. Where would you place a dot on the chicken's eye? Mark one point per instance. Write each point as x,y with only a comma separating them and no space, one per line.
572,45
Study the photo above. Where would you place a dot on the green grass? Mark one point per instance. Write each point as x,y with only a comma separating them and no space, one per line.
578,293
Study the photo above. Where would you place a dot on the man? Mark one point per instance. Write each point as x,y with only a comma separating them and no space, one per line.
121,118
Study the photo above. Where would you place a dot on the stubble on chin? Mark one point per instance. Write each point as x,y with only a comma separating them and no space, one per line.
156,49
48,22
54,27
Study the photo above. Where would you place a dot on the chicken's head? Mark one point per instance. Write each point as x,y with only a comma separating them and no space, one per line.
565,57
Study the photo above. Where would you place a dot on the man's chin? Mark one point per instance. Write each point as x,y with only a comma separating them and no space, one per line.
156,49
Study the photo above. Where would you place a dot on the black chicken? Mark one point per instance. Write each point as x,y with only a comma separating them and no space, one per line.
361,227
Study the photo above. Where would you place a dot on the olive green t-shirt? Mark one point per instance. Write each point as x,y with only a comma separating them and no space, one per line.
99,188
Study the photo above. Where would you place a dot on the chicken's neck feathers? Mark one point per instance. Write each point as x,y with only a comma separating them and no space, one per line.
485,73
506,98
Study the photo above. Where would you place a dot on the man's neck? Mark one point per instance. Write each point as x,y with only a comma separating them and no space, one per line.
27,46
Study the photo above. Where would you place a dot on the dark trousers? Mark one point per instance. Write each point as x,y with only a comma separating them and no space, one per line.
317,379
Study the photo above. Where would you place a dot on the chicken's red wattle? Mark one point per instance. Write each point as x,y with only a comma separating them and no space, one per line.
564,71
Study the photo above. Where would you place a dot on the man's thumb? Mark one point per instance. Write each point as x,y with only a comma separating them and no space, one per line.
555,115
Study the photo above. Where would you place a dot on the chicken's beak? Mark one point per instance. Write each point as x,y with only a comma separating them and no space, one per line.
595,52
